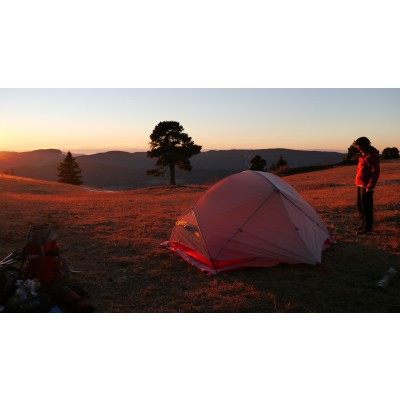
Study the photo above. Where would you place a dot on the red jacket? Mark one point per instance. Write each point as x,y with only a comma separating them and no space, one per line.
368,168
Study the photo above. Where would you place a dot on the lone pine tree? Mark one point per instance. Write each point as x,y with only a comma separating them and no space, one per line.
257,163
69,171
172,147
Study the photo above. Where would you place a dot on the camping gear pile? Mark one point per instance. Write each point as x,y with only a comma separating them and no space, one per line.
249,219
34,279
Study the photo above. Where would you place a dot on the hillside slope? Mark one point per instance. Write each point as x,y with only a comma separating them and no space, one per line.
122,170
114,237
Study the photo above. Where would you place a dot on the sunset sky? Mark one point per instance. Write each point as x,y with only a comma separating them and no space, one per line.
96,120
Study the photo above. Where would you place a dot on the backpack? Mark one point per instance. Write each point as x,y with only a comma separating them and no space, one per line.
40,256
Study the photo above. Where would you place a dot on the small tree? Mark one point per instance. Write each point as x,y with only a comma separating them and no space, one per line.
257,163
390,153
69,171
281,163
351,156
280,166
172,147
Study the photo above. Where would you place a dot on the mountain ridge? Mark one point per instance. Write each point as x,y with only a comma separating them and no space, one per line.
124,170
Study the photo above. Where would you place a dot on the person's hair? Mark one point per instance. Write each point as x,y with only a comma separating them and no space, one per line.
362,141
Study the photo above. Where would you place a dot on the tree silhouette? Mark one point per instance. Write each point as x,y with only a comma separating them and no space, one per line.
172,147
281,163
69,171
280,166
351,156
257,163
390,153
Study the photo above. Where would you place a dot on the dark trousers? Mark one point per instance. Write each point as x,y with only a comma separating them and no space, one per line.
365,205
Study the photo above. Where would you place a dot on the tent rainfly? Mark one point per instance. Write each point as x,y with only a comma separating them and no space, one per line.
249,219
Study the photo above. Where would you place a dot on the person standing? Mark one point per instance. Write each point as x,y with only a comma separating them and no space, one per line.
367,176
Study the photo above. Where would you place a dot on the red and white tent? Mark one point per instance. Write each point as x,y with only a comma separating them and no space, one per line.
250,219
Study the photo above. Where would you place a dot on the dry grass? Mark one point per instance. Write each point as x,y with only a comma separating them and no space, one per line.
114,237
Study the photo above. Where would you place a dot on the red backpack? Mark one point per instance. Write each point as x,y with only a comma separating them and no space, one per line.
40,256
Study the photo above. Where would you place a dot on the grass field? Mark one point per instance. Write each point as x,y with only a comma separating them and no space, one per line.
113,238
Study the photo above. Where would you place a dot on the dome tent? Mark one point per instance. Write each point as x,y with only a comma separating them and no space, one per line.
249,219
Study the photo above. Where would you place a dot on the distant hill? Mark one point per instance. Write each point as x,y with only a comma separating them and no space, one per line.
240,159
36,158
123,170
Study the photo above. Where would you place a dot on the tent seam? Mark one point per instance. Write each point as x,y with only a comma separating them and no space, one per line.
240,228
292,202
202,237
